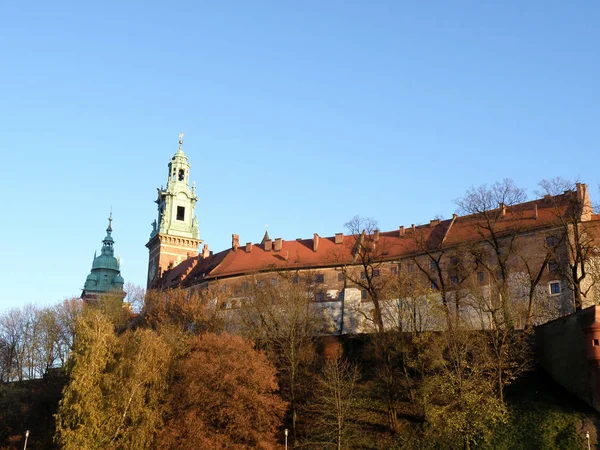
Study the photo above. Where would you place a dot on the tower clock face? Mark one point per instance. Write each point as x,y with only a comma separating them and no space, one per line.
152,270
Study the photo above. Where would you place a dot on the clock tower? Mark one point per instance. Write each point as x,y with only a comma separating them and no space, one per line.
174,235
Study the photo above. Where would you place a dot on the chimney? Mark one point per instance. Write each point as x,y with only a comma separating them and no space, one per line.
315,242
235,242
248,247
413,227
268,245
434,222
401,230
585,203
277,245
339,238
205,251
535,211
502,207
376,235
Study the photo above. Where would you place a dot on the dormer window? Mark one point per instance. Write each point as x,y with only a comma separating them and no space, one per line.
181,176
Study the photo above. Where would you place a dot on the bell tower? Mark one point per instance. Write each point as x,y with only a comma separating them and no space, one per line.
174,235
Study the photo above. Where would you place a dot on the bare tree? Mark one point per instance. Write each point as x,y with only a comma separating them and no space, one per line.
278,312
576,243
335,403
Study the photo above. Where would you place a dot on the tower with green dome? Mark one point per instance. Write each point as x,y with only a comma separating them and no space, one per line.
105,277
175,236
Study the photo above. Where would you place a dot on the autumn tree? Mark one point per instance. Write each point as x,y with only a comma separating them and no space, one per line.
224,396
279,313
116,387
191,310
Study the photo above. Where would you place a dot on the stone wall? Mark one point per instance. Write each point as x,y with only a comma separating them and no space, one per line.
561,349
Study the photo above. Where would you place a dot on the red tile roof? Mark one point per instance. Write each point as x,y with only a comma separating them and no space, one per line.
299,254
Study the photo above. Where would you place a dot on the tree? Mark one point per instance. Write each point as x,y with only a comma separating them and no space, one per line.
335,403
282,318
190,310
224,396
576,244
116,387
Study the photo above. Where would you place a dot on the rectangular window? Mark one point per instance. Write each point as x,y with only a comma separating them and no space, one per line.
224,288
454,279
341,296
180,213
295,279
375,272
363,275
394,270
433,265
319,278
434,285
341,276
410,267
259,283
596,343
551,241
480,277
245,286
274,281
320,297
363,294
553,266
555,287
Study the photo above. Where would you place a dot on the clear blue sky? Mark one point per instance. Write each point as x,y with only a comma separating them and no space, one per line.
298,115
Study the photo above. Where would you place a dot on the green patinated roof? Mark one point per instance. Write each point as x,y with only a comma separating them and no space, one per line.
106,273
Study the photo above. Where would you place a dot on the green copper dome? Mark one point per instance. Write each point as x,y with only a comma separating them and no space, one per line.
105,276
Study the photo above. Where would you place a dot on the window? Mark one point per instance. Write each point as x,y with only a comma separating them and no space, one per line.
553,266
180,213
434,285
454,279
596,343
410,267
181,176
319,278
259,283
394,270
245,286
363,294
295,279
341,276
274,281
480,277
320,297
363,275
341,296
551,241
555,288
433,265
224,288
375,272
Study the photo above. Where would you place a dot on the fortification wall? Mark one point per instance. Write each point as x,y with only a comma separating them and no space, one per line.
562,350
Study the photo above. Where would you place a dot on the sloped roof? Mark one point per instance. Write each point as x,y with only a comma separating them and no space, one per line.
302,253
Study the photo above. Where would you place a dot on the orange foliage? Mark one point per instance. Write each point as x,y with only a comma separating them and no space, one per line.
224,396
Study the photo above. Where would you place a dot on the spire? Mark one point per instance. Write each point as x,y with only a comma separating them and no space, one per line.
180,149
107,242
266,236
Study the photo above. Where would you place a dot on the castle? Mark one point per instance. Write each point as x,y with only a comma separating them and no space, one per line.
533,239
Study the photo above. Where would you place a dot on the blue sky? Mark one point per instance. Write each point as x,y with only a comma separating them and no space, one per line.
298,115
